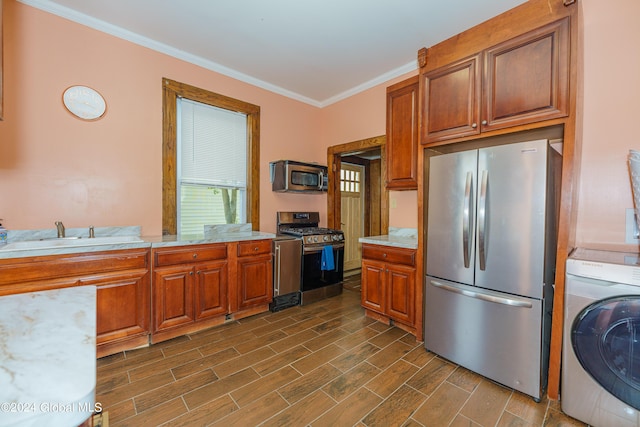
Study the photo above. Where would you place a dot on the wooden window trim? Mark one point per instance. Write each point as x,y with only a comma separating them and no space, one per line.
171,90
1,64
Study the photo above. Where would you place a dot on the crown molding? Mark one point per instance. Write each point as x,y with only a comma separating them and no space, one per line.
105,27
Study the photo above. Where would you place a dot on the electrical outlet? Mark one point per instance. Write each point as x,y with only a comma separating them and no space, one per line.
632,234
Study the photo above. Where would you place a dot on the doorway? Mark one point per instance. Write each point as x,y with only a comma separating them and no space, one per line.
357,200
352,191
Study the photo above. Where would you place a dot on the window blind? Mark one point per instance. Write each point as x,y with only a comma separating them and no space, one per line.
213,145
211,160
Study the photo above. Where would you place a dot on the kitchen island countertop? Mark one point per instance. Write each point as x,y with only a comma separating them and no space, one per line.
48,357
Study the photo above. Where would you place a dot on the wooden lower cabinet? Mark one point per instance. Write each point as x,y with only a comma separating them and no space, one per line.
123,312
193,287
122,280
388,285
255,285
172,297
210,292
199,286
185,294
189,289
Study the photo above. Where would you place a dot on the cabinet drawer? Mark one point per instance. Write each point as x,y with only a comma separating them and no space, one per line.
389,254
186,254
53,267
254,247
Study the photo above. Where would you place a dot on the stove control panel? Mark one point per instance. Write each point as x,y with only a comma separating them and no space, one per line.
324,238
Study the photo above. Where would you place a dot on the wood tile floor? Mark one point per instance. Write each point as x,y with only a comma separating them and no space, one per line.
324,364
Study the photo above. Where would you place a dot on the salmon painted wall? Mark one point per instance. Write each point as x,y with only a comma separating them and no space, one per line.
108,172
363,116
610,111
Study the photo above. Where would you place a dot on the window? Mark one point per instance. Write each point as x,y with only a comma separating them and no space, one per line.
350,179
212,168
210,160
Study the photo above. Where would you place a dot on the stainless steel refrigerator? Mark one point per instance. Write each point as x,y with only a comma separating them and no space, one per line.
490,260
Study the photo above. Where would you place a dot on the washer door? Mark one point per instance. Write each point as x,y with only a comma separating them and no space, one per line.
606,340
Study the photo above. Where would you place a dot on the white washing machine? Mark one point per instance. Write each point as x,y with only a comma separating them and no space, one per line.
601,343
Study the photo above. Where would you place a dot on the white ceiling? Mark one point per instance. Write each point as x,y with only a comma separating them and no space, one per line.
315,51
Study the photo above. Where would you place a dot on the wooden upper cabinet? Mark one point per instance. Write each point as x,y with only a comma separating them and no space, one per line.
526,79
452,100
402,135
520,81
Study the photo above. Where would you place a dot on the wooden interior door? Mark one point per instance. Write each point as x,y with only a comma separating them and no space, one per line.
352,212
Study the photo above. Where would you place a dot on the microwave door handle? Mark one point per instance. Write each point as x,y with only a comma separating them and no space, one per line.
321,180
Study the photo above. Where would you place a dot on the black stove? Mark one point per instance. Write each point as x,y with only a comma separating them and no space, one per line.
322,254
305,226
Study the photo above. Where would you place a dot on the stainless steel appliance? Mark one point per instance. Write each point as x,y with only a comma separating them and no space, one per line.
291,176
318,281
490,260
600,348
287,255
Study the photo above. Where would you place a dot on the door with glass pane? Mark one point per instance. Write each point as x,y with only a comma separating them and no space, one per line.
352,212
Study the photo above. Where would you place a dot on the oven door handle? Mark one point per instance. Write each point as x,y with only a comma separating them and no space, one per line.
314,249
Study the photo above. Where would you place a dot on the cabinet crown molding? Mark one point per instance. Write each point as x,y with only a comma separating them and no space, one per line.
422,57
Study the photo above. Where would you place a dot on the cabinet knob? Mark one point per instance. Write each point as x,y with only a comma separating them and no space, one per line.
384,255
191,273
195,255
484,122
256,248
198,272
474,125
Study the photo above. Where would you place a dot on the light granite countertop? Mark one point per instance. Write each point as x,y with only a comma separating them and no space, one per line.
397,237
80,242
212,234
48,357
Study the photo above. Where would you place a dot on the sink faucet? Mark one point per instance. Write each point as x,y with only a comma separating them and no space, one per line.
60,227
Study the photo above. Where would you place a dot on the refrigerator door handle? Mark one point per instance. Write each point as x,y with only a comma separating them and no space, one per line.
276,285
482,220
482,296
466,219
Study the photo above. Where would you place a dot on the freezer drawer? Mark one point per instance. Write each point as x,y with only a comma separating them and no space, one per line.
496,335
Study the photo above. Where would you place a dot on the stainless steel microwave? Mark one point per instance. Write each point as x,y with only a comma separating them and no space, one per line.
289,175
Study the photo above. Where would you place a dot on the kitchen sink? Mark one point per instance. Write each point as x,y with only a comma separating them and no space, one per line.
68,242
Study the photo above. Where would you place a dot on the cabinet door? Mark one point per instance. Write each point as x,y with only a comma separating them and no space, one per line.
173,297
122,307
452,100
372,286
401,284
402,135
254,281
527,78
211,289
